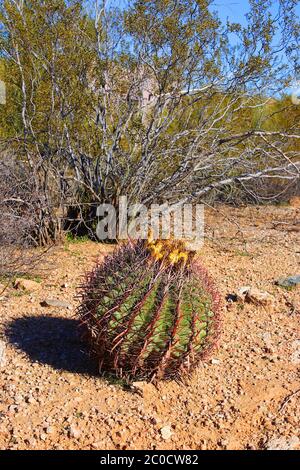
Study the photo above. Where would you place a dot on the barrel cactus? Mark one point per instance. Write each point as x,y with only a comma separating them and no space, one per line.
149,310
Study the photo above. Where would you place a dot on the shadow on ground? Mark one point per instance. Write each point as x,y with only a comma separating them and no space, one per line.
54,341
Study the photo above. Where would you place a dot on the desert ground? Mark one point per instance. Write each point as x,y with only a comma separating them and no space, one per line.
245,396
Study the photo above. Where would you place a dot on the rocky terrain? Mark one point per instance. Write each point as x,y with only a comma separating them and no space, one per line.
246,396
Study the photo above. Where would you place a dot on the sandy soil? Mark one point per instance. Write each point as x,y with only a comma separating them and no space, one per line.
247,396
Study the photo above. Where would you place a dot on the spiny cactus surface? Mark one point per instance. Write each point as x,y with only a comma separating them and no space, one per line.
149,310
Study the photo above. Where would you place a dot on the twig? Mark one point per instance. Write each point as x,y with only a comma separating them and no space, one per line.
288,399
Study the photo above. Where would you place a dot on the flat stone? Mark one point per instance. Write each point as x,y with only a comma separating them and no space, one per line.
3,360
56,303
26,285
287,282
260,298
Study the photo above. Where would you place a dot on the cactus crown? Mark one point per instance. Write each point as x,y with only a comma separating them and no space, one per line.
169,252
150,310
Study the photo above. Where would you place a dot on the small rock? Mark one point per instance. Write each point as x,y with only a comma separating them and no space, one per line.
155,420
242,292
30,399
26,285
240,295
296,354
56,303
223,443
166,433
287,282
43,437
203,444
139,385
282,443
13,409
267,338
215,362
18,399
96,445
144,389
74,432
2,354
49,430
31,442
257,297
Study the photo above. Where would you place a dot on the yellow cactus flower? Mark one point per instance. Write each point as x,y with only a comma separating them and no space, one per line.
172,251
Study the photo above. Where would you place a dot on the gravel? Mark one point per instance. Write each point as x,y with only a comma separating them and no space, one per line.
52,396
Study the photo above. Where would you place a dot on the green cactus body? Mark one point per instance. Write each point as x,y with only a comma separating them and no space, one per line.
147,318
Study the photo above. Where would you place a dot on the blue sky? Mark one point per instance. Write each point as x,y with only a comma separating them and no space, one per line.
237,9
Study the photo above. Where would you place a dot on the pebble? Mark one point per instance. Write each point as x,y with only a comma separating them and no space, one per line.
49,430
13,409
3,360
31,442
18,399
287,282
30,400
166,433
74,432
56,303
215,362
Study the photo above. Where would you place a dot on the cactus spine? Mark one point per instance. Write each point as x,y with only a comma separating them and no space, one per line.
149,310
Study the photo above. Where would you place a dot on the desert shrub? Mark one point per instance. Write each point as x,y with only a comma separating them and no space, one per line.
148,101
23,220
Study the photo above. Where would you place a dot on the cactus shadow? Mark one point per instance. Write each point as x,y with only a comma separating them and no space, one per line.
53,341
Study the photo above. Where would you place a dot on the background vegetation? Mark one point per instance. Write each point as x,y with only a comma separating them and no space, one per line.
159,101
